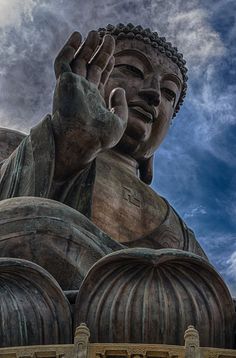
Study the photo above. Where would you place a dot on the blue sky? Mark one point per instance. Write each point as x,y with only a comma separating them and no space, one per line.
195,167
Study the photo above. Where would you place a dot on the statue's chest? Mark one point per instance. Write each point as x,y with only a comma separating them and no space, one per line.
123,206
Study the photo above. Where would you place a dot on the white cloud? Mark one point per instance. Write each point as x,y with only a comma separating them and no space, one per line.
187,25
221,251
217,103
196,38
12,12
199,210
215,107
232,265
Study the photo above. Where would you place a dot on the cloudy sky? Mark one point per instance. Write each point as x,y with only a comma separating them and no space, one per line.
195,168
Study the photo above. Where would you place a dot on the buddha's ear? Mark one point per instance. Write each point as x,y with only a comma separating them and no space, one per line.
146,170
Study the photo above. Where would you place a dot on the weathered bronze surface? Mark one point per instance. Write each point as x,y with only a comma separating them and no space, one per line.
76,201
83,348
9,141
133,295
33,306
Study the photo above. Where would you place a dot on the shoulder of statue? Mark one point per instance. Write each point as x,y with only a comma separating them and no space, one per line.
9,141
190,242
170,207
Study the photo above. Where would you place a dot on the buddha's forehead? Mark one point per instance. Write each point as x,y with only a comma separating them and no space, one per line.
133,48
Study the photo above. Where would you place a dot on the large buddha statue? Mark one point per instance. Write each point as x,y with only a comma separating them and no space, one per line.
79,221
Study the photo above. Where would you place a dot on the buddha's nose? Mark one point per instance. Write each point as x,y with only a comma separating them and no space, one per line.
151,96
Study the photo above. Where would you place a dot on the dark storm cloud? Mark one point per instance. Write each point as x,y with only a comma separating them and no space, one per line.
195,167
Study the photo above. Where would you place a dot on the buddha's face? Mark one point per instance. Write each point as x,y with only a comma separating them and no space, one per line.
153,85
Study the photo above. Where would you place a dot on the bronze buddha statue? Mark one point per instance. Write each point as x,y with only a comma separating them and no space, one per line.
78,201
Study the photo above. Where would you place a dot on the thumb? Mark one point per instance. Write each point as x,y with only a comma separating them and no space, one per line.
118,103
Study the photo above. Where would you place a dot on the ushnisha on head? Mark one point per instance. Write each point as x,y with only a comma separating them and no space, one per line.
130,31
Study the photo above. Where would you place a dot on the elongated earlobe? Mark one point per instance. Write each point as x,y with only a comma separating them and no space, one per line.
146,170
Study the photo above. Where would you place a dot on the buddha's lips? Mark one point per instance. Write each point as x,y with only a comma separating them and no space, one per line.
147,113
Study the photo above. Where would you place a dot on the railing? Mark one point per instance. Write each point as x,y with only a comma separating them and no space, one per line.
83,349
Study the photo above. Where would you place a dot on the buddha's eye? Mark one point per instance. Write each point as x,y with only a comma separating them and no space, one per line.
169,94
131,69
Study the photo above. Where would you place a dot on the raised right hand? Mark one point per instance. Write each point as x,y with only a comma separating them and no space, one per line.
82,71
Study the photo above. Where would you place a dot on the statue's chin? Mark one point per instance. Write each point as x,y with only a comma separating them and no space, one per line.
128,145
136,134
138,128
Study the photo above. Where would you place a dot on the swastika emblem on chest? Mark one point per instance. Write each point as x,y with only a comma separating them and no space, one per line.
131,196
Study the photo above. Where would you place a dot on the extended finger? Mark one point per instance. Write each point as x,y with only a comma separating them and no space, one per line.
106,74
84,54
66,55
101,59
118,104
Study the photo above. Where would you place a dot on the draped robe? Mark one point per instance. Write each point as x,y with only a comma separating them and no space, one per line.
52,226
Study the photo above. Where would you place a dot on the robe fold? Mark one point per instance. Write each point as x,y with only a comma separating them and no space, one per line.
29,171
